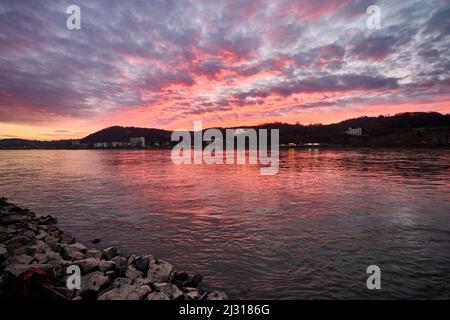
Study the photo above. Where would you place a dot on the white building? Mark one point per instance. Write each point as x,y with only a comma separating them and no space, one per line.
101,145
354,131
137,142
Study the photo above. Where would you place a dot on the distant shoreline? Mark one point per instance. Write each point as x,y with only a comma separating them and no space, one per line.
281,148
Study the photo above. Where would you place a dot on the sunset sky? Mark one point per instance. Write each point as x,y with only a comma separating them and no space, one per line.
164,64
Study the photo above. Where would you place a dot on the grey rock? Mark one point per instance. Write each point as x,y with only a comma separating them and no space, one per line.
131,259
51,242
109,253
41,236
88,265
3,251
93,253
52,255
141,281
31,250
29,234
126,292
141,262
119,282
121,265
18,241
41,246
66,238
72,252
191,293
17,269
169,290
157,296
47,220
93,283
41,257
159,270
22,259
110,274
133,273
78,246
107,265
216,295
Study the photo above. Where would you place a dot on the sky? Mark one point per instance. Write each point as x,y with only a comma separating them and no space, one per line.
165,64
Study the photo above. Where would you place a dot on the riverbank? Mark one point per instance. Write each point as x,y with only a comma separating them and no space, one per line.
35,256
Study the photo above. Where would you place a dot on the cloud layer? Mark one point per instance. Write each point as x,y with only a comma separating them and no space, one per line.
165,63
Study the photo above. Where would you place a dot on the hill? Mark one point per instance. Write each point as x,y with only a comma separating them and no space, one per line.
412,129
123,134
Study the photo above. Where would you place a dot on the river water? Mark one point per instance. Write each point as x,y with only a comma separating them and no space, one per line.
308,232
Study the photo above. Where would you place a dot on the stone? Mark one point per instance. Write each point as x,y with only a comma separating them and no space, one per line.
141,263
32,227
71,252
159,270
17,269
41,246
157,296
133,273
179,277
53,256
47,220
22,259
109,253
121,266
142,281
191,293
196,280
107,265
52,242
18,241
78,246
93,253
41,257
13,218
169,290
126,292
93,283
66,238
3,251
216,295
131,259
119,282
29,234
88,265
95,241
31,250
110,274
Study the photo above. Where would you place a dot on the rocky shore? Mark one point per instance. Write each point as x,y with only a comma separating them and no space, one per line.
35,256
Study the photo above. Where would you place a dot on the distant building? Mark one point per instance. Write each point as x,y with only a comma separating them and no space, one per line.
354,131
101,145
312,144
137,142
117,144
292,144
